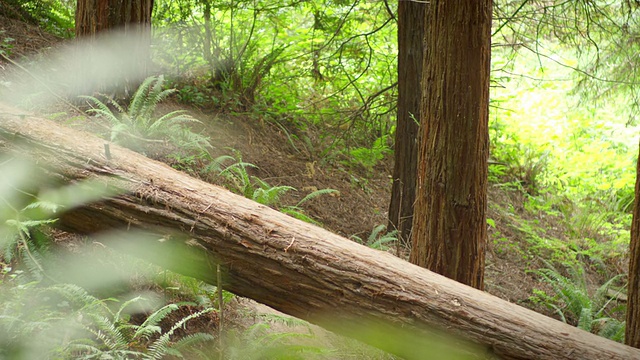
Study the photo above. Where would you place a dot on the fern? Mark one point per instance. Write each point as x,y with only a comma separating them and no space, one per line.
150,325
159,348
269,195
573,302
138,121
315,194
377,239
297,212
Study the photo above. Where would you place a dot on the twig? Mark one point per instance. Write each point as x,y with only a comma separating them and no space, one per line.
291,243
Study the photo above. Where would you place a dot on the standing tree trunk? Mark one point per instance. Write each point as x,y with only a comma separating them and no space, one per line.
632,330
449,227
133,21
94,16
411,16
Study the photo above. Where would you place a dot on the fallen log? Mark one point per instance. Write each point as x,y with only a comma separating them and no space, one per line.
292,266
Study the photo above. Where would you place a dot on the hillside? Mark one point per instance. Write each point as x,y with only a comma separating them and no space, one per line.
522,238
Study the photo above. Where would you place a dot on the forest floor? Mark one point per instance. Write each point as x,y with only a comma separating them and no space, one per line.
364,194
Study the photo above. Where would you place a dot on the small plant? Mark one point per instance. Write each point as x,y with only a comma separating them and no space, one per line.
369,157
5,45
251,187
190,94
138,123
256,189
574,305
296,210
181,286
378,239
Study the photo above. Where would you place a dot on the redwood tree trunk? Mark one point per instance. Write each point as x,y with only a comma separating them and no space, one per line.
411,17
94,16
132,20
449,228
292,266
632,330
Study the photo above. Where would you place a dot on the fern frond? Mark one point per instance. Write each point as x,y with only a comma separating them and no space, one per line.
297,213
43,205
191,340
585,319
191,140
77,296
118,314
240,168
100,108
159,347
118,129
315,194
267,195
140,97
154,99
169,124
149,326
9,245
613,329
217,163
375,232
108,333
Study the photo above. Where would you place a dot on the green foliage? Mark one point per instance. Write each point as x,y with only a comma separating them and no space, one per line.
240,181
5,44
65,321
190,94
296,210
138,122
379,239
42,317
327,67
575,305
54,16
369,157
180,286
260,342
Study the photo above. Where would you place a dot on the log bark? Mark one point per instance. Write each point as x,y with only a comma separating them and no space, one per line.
292,266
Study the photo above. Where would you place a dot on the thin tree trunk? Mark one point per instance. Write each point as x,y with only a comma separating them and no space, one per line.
632,330
411,17
449,228
292,266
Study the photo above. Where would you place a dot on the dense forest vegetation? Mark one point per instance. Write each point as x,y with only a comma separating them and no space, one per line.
295,105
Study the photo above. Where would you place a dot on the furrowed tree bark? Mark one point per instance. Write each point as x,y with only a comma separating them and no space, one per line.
449,220
290,265
132,19
411,24
632,329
